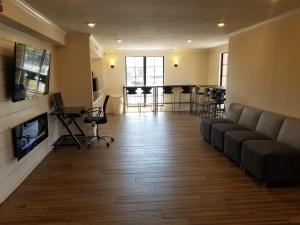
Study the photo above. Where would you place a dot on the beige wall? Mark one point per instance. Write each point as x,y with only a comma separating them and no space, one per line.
13,172
264,66
192,68
214,60
74,69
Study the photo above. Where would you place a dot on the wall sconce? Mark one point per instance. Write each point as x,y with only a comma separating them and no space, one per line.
112,66
175,64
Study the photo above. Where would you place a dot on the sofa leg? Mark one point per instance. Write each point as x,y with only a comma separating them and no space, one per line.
243,169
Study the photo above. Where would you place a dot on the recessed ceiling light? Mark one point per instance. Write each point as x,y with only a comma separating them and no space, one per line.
119,40
91,24
120,48
221,24
189,41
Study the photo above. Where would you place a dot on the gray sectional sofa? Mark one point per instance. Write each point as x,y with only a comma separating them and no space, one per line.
265,144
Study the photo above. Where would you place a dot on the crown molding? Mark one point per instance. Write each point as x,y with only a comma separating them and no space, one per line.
37,15
266,22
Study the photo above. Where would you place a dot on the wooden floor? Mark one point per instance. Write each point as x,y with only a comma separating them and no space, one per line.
158,171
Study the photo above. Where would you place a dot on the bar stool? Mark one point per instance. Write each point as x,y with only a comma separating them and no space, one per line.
206,94
168,90
148,91
210,107
197,98
220,110
132,91
186,90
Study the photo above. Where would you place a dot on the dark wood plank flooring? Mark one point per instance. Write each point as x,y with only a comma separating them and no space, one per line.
158,171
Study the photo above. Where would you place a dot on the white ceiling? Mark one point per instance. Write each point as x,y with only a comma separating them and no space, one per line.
160,24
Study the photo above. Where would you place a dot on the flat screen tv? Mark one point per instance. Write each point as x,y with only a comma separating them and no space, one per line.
29,134
31,72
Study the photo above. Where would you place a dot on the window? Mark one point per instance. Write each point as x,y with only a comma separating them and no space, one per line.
224,69
144,70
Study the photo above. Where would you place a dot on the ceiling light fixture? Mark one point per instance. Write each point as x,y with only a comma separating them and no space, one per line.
189,41
119,40
221,24
91,24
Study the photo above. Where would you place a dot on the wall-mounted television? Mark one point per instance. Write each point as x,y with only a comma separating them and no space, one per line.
31,72
28,135
95,84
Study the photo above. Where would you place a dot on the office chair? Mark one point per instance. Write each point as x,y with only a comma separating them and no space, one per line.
96,116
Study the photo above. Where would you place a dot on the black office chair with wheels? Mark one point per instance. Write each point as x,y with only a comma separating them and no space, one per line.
96,116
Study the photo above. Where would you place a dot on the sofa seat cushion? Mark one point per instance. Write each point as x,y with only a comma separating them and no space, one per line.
218,130
234,139
234,112
270,161
269,124
206,126
290,133
250,117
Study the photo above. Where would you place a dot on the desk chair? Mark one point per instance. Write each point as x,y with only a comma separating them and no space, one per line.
96,116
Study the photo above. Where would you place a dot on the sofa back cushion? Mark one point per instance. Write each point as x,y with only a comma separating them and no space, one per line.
289,133
234,112
269,124
249,117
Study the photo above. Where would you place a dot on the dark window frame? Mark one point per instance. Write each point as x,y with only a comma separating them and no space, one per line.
222,64
145,72
145,68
